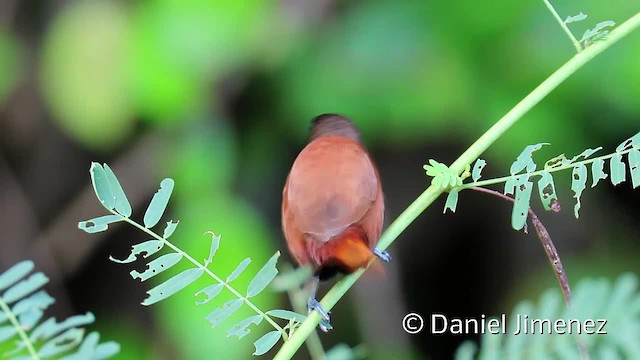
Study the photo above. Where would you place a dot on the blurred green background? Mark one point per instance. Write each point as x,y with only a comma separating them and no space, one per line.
218,94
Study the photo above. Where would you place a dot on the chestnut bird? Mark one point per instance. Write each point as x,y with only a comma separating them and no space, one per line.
332,205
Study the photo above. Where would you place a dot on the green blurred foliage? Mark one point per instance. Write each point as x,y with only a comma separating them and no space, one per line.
84,75
10,64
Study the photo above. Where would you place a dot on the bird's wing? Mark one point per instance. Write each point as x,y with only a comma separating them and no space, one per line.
331,186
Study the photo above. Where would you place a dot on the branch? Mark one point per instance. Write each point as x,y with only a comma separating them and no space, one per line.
288,350
563,25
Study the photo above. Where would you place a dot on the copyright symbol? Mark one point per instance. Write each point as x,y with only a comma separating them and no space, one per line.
412,323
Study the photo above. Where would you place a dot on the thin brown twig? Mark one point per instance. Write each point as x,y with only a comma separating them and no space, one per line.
552,255
547,244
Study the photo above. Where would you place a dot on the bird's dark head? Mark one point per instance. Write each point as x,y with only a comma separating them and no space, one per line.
333,125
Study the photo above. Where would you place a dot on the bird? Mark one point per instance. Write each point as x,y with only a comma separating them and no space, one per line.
332,205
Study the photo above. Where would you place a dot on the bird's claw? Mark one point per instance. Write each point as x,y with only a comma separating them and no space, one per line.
325,323
383,255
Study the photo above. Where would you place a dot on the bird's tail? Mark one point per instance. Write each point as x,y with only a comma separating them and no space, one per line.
350,250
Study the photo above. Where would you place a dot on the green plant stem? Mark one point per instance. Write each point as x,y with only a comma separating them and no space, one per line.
540,172
209,272
288,350
14,321
563,25
298,300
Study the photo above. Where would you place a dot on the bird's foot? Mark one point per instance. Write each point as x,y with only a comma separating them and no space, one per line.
325,323
383,255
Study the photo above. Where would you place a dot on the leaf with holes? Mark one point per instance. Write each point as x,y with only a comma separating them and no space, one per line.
452,201
169,229
522,200
172,286
148,247
633,141
595,33
157,266
219,315
264,276
525,160
477,169
618,169
241,329
158,203
585,154
575,18
578,184
210,291
266,342
98,224
597,171
547,190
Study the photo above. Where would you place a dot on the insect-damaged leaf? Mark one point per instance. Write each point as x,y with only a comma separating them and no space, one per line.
25,287
597,30
286,315
211,291
633,141
618,169
266,342
547,190
585,154
121,203
242,328
477,169
98,224
575,18
15,273
524,160
239,269
597,172
264,276
578,184
521,203
157,266
219,315
634,167
215,244
148,247
452,201
158,203
101,186
170,228
172,285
